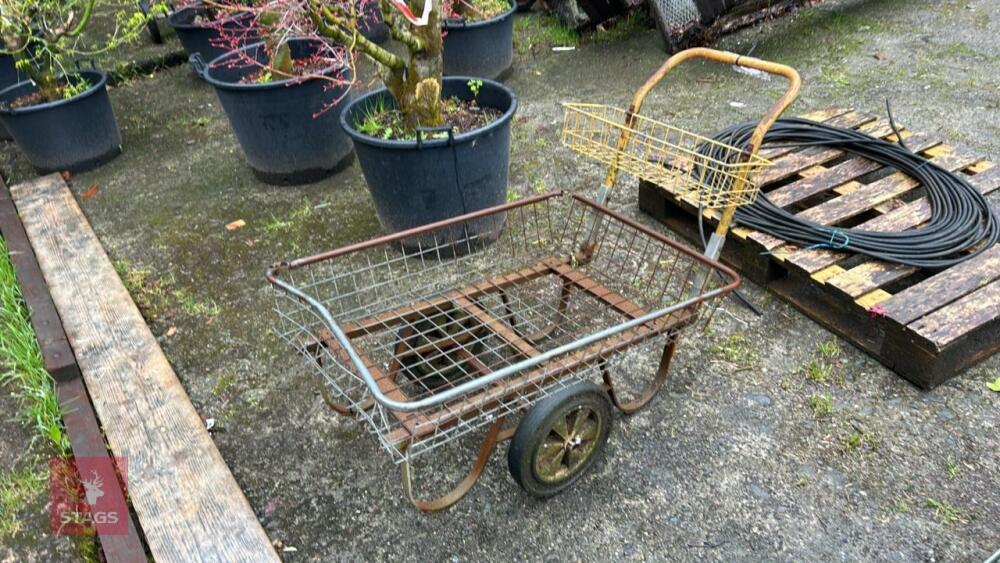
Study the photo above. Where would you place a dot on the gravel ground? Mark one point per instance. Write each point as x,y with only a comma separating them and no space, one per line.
744,456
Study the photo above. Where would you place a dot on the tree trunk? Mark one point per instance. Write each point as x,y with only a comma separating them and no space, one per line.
418,89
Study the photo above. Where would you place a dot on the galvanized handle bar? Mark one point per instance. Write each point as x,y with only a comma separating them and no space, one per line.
725,57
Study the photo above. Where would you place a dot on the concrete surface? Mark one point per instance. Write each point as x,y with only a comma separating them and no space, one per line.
732,462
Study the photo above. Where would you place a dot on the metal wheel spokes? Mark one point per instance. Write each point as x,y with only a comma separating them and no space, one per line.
569,443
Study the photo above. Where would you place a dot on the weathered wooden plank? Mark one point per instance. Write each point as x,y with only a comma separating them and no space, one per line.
839,117
865,198
902,218
868,276
792,163
961,317
86,439
837,175
187,502
943,288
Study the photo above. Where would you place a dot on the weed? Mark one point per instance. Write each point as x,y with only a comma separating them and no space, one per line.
18,488
737,349
953,469
817,370
224,382
944,512
820,368
191,306
22,369
201,121
860,440
475,86
75,87
822,405
150,294
829,349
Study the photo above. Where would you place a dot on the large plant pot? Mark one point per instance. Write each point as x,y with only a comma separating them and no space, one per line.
484,48
75,134
413,184
9,76
372,26
207,40
276,123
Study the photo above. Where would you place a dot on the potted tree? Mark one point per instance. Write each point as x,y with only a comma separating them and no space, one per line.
284,95
479,37
209,30
61,117
430,146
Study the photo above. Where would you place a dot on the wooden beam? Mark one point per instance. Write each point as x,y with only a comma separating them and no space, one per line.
86,439
187,502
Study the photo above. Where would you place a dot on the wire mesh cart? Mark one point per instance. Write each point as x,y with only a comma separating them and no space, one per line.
460,326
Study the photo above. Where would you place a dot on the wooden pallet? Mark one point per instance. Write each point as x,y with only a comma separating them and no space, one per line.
925,326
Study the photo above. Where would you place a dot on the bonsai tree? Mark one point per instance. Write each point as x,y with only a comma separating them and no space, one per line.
43,36
413,79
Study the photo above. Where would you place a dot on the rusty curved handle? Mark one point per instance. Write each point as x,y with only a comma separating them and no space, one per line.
725,57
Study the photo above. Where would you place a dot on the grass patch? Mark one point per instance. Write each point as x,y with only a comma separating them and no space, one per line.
156,297
861,440
22,369
737,349
946,513
536,33
18,488
622,28
821,367
822,405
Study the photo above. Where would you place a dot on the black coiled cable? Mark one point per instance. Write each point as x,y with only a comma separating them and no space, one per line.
961,226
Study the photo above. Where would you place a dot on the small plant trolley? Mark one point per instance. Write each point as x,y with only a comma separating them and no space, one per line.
462,325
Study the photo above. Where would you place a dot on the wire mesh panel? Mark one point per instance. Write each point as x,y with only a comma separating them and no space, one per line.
477,318
712,174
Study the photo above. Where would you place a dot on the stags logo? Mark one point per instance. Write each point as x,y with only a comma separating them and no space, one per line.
85,496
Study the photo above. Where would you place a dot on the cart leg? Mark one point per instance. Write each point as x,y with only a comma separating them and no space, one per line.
654,386
341,408
493,435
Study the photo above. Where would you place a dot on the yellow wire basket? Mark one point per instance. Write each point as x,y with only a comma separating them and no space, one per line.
709,173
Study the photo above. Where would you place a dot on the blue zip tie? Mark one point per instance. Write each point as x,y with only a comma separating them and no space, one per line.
833,244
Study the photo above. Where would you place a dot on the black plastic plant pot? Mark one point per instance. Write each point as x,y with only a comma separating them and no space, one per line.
9,76
372,26
75,134
416,183
484,48
288,129
206,39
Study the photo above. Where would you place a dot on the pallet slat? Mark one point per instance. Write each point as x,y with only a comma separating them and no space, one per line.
961,317
939,290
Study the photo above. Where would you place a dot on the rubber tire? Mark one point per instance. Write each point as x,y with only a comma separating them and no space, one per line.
532,429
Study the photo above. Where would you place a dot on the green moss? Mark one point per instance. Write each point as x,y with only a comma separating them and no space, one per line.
535,33
622,28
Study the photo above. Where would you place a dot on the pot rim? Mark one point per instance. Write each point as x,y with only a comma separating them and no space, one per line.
284,83
101,83
188,26
358,136
458,24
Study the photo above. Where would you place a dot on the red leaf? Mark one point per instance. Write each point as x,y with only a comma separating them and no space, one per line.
89,192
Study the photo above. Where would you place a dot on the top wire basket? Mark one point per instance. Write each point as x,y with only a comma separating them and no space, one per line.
714,175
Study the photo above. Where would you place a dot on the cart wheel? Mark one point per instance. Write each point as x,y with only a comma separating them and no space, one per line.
559,439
